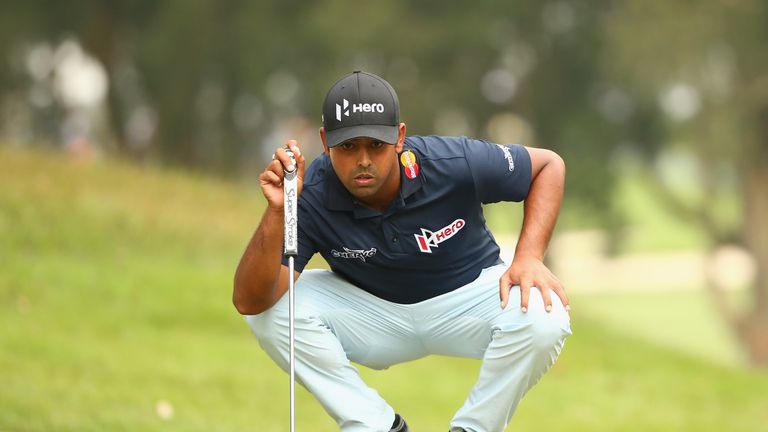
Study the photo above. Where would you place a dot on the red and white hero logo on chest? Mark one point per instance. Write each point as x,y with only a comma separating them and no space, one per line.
429,239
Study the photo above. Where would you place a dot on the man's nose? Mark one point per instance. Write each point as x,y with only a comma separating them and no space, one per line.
364,158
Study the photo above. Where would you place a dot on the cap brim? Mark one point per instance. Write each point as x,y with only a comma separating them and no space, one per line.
384,133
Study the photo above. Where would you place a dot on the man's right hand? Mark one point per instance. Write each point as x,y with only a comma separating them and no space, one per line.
271,180
260,279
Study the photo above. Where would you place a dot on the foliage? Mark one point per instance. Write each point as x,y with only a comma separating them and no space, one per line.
700,59
203,65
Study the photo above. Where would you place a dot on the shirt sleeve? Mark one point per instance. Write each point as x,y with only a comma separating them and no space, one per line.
499,172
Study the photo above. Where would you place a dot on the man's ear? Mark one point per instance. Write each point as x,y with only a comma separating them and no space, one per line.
322,138
400,138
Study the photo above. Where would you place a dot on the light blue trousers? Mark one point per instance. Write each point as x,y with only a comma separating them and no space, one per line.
337,322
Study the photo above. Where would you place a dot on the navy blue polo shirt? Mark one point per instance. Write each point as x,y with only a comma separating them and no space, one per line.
433,237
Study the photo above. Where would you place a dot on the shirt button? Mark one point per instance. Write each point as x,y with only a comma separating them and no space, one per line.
394,239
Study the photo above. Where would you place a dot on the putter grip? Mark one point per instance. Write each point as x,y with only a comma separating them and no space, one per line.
290,198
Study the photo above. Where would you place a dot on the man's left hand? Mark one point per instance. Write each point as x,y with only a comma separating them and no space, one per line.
529,272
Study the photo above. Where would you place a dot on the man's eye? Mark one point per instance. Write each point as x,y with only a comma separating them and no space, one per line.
346,146
377,144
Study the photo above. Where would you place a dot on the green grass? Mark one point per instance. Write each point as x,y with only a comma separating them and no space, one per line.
685,321
115,287
651,226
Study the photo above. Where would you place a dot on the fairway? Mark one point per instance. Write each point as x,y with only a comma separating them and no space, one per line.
115,315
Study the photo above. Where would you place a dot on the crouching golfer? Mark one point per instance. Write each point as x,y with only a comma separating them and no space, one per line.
414,269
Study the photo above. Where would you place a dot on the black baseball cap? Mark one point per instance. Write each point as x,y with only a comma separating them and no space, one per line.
361,104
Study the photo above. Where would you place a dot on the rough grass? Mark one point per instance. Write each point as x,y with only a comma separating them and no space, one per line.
115,287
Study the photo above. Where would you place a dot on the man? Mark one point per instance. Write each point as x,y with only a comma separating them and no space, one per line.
414,269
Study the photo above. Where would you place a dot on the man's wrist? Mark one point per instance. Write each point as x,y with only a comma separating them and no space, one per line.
274,211
522,253
272,218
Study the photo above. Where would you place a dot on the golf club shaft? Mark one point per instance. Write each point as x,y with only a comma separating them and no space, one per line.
290,244
291,310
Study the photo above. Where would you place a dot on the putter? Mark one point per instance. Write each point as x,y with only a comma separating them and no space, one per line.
290,250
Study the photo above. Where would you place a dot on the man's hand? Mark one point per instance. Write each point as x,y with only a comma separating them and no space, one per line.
271,180
260,278
529,271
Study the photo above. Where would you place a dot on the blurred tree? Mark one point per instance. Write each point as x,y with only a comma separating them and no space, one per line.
207,83
706,62
104,28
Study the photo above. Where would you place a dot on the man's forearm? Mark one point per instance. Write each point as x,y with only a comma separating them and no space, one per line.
257,274
541,208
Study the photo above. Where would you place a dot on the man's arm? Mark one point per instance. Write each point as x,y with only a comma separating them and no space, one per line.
541,209
260,278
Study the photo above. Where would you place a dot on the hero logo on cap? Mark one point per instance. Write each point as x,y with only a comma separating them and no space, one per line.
360,107
339,108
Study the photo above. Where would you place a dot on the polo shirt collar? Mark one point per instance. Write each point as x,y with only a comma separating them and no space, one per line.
408,186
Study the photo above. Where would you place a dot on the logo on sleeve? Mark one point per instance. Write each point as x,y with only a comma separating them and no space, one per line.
508,157
360,254
429,239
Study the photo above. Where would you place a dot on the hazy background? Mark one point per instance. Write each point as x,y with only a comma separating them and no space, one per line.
132,133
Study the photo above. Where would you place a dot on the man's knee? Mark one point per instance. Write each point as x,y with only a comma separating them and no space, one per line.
548,330
315,342
270,327
548,333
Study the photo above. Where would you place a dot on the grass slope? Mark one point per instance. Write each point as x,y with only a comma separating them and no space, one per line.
115,288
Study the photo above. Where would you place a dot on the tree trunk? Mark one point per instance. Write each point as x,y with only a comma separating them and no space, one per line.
754,327
100,38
